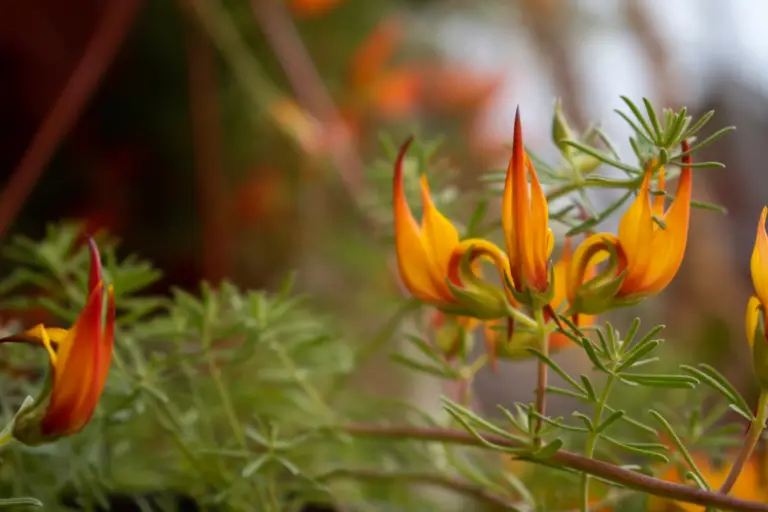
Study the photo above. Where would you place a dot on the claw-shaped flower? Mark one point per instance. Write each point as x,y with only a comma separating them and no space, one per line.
756,307
645,256
525,219
434,265
79,362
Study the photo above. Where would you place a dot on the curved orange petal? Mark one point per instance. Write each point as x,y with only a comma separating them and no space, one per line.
542,238
759,261
521,207
636,230
439,235
668,247
74,372
412,259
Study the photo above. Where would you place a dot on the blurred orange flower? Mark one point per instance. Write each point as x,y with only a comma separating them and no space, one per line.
749,486
312,8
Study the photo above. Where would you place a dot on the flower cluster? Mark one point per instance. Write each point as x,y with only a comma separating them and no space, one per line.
605,271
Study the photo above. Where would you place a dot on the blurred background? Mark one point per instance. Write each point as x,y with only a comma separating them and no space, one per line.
243,140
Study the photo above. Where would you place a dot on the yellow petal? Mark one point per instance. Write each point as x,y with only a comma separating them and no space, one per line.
439,235
412,259
752,316
759,263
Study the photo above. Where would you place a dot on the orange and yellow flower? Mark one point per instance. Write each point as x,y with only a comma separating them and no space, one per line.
525,219
646,254
430,256
79,363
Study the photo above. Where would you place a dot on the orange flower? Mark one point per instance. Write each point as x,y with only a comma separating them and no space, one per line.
645,256
525,219
79,358
434,265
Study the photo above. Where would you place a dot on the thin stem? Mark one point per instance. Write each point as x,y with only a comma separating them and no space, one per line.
750,441
542,374
565,459
592,439
413,477
80,87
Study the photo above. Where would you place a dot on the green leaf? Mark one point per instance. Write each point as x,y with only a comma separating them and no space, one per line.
638,449
654,120
706,142
599,155
16,502
661,380
610,420
679,445
633,327
637,353
456,409
557,369
639,116
585,419
719,383
549,450
704,119
703,205
635,423
589,388
444,372
255,465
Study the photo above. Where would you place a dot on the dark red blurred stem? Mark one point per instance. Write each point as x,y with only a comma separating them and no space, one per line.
82,83
206,135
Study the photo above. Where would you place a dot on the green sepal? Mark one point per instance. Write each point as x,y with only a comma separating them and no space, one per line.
474,296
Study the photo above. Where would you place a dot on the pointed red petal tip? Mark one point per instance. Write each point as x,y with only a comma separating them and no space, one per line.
95,276
518,156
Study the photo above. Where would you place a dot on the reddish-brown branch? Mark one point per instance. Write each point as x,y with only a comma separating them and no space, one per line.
206,135
82,83
566,459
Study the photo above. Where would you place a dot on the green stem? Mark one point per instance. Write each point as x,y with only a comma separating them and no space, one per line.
750,441
592,439
542,374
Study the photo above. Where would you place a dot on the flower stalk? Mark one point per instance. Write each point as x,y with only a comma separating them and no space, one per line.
756,427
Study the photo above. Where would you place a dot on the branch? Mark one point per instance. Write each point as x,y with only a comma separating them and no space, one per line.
610,472
278,28
83,82
438,480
